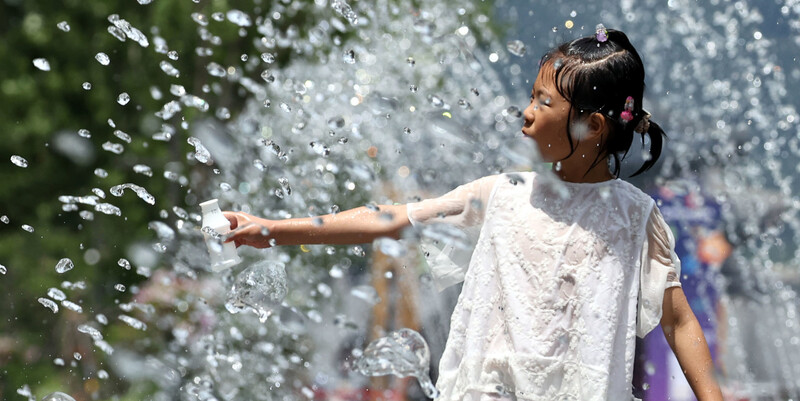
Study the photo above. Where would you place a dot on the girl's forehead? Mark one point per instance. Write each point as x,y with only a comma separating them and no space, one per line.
546,76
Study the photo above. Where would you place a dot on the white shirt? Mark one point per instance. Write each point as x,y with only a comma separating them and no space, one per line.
559,278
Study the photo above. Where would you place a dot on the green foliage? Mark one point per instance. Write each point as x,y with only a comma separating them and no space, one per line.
42,107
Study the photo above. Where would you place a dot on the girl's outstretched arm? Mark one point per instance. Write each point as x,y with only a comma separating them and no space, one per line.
354,226
685,337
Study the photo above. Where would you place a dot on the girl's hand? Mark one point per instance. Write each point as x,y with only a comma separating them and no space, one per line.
248,230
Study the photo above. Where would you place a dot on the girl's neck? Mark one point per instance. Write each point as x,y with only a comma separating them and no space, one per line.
574,169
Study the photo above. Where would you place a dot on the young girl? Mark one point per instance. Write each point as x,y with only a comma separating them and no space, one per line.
566,272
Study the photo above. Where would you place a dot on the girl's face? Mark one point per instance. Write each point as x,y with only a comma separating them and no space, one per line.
546,117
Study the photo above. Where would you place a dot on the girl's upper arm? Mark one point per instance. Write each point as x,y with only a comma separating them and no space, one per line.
659,274
462,207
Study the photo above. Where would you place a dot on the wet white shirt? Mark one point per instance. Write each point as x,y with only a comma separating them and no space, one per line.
559,278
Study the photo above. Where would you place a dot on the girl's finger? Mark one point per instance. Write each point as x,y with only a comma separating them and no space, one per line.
232,219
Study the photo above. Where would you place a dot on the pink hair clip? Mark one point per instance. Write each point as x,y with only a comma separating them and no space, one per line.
601,33
627,115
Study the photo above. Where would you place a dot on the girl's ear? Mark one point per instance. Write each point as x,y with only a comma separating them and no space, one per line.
597,126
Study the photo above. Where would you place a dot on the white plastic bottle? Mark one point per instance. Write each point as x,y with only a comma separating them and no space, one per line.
223,255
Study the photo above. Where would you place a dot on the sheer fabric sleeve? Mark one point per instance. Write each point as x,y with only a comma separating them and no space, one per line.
661,269
449,227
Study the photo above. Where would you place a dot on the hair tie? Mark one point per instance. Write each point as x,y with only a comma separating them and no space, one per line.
644,124
627,114
601,33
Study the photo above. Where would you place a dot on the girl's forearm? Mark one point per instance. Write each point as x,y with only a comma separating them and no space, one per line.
354,226
690,347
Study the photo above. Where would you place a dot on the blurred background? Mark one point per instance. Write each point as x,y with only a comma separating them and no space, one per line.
119,117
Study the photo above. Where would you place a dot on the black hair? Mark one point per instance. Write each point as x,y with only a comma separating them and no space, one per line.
598,77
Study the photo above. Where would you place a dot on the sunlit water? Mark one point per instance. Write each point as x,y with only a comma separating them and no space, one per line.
412,104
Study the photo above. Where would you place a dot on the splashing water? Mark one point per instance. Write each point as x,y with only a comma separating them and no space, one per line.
259,288
19,161
49,304
402,353
394,136
42,64
142,193
64,265
102,58
516,47
200,152
341,7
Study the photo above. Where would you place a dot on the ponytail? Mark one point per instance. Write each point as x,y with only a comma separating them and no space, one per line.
657,135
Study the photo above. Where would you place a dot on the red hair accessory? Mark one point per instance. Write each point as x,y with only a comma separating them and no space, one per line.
627,115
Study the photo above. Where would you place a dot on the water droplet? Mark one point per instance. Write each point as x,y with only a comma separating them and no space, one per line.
3,269
64,265
5,219
49,304
349,56
119,287
555,29
215,69
133,322
435,101
336,122
143,169
56,294
411,62
268,58
200,152
102,58
142,193
573,14
407,130
239,17
123,98
558,166
516,47
108,208
84,133
341,7
42,64
122,135
413,88
267,76
113,147
285,107
27,228
64,26
102,173
169,69
19,161
223,113
86,86
514,112
199,18
474,91
102,374
91,331
57,362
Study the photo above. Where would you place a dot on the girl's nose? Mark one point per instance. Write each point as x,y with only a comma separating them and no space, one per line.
528,114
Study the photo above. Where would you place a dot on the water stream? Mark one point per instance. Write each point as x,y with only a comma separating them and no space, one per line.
394,101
